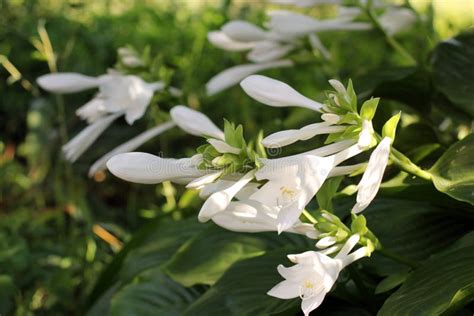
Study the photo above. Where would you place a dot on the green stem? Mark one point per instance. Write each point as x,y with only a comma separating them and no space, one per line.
390,40
407,165
396,257
309,217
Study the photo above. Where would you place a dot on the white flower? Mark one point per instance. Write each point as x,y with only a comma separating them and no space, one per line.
195,123
223,147
222,41
294,24
287,137
234,75
220,200
129,57
267,50
149,169
129,146
365,137
243,31
251,217
370,182
314,274
396,20
117,93
79,144
276,93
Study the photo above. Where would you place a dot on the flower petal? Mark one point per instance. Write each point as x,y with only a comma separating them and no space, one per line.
149,169
130,145
222,41
285,290
234,75
223,147
310,304
372,178
195,123
204,180
243,31
265,51
82,141
67,82
276,93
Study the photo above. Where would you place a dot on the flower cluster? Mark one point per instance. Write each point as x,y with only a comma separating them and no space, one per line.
119,95
288,31
246,191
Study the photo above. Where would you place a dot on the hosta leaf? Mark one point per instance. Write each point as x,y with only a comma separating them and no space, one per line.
453,173
241,291
445,282
152,293
203,259
453,64
415,230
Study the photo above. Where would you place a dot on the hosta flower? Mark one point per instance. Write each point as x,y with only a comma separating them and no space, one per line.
370,183
234,75
195,123
118,95
395,20
314,274
251,216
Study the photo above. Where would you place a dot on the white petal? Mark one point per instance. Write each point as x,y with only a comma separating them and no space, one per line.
195,123
92,110
310,304
130,145
268,50
220,185
370,182
285,290
206,179
243,31
346,249
67,82
347,170
82,141
284,138
222,41
276,93
395,20
223,147
140,94
326,242
219,201
330,118
234,75
316,44
331,148
149,169
291,23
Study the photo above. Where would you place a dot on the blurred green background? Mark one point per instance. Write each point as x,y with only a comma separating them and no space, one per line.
58,229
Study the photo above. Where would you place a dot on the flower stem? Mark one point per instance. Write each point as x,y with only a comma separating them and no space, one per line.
407,165
309,217
396,257
390,40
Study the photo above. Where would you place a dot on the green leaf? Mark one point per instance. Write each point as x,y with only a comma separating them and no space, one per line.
390,127
327,192
368,109
453,173
390,282
242,289
152,293
453,64
359,225
198,263
415,230
444,283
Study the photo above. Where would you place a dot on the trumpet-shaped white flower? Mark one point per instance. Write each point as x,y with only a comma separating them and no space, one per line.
370,183
276,93
129,146
118,95
251,217
395,20
314,274
149,169
234,75
195,123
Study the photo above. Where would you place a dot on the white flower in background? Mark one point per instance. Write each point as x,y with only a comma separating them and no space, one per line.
305,3
314,274
195,123
118,95
395,20
370,183
129,57
234,75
